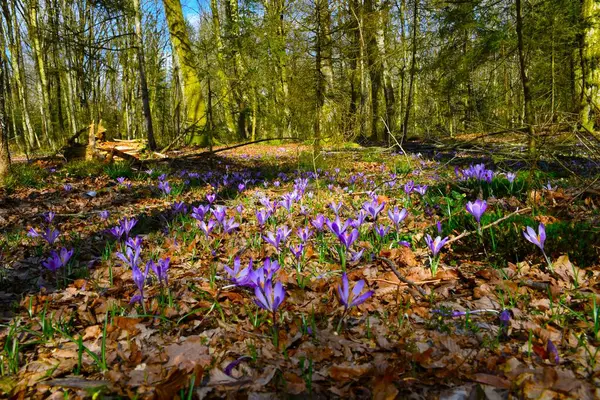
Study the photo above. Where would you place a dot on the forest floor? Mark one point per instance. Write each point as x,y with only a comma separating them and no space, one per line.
501,317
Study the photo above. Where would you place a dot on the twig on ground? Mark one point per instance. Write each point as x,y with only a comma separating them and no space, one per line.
392,266
468,233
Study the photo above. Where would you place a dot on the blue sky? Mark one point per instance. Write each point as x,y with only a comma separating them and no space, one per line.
191,9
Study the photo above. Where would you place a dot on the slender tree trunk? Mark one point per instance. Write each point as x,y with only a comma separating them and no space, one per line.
142,72
388,87
4,154
374,64
224,84
16,60
235,49
590,60
528,116
40,64
413,68
192,87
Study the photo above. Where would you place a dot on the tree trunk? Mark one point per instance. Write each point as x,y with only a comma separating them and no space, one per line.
192,87
142,72
4,154
590,59
224,84
528,116
235,49
374,64
16,60
413,68
40,64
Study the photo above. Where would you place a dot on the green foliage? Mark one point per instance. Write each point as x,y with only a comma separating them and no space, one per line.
83,168
119,169
24,175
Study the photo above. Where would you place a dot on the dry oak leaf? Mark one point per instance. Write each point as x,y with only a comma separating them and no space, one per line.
347,372
188,354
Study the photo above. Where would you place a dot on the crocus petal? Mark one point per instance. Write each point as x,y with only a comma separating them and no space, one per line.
260,299
358,288
361,299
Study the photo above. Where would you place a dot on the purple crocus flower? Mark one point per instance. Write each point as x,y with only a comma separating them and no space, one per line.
49,216
318,222
219,213
160,269
477,208
211,198
121,180
32,233
373,208
336,207
287,202
240,277
435,245
279,237
421,189
53,263
504,318
261,217
207,228
404,243
356,255
164,187
361,216
67,187
200,211
132,253
271,297
348,238
125,226
139,278
336,226
552,352
239,209
179,207
409,187
511,176
50,235
65,255
104,215
397,216
354,298
382,231
536,238
270,267
229,225
304,234
297,251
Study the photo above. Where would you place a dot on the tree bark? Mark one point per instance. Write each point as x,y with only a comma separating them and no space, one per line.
528,115
192,87
590,60
4,153
142,72
413,68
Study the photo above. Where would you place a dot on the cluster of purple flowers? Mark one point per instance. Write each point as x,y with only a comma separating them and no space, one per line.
57,259
477,172
131,256
123,229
